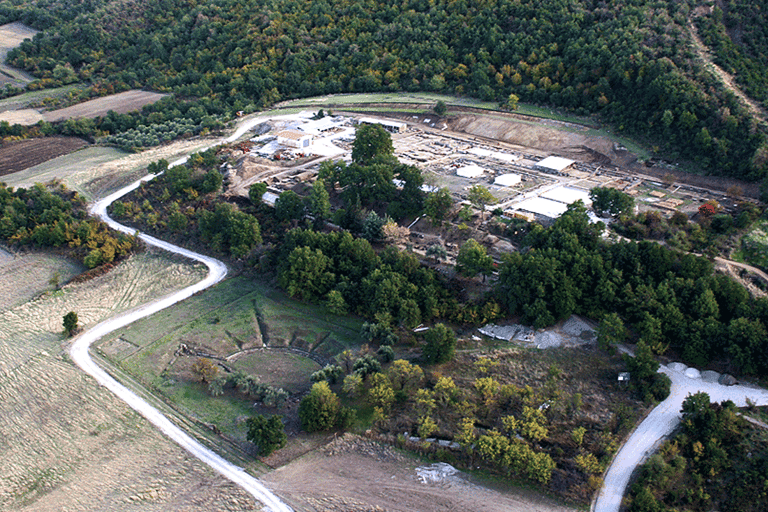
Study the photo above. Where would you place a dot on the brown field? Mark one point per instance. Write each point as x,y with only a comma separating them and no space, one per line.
68,443
35,271
353,473
11,36
19,155
121,103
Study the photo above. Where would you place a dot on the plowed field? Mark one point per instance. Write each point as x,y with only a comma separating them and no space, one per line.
121,103
20,155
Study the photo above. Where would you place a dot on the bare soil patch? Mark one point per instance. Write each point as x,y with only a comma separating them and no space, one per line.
541,135
354,474
19,155
25,117
121,103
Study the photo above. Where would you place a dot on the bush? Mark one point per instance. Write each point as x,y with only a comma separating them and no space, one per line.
266,433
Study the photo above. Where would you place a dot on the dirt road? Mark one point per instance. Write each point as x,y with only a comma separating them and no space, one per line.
80,354
662,420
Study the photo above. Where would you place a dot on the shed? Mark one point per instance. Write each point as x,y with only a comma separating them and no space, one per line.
470,171
568,195
294,139
554,164
507,180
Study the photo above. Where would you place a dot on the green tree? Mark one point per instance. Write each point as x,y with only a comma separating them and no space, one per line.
611,201
371,141
158,167
611,331
480,196
437,252
256,192
473,259
440,344
319,409
440,108
289,206
306,274
70,323
266,433
319,204
437,205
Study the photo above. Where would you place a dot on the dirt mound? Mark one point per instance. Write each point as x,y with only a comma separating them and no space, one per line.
544,135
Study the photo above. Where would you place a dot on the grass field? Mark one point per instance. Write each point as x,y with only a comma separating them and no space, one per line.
232,320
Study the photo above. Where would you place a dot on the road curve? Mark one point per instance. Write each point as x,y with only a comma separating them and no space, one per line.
661,421
80,350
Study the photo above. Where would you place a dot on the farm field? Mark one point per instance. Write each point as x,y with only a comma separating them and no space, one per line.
120,103
19,155
96,171
82,432
35,270
11,36
233,321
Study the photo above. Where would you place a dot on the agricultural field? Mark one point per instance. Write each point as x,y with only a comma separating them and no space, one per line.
39,271
20,155
11,36
82,432
120,103
247,327
97,171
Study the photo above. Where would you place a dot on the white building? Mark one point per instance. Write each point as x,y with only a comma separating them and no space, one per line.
470,171
554,164
390,126
294,139
507,180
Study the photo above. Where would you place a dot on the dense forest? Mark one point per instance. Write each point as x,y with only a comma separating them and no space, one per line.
737,34
54,217
630,62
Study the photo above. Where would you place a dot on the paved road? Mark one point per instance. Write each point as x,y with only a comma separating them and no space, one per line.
80,350
662,420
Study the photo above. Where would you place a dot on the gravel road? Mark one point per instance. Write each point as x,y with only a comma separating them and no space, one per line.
80,349
662,420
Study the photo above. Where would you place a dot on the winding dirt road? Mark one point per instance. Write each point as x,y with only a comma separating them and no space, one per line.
662,420
80,349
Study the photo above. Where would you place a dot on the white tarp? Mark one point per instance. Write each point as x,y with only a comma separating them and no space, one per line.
567,195
542,206
555,163
507,180
470,171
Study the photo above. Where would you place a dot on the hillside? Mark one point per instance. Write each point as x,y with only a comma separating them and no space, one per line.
631,63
